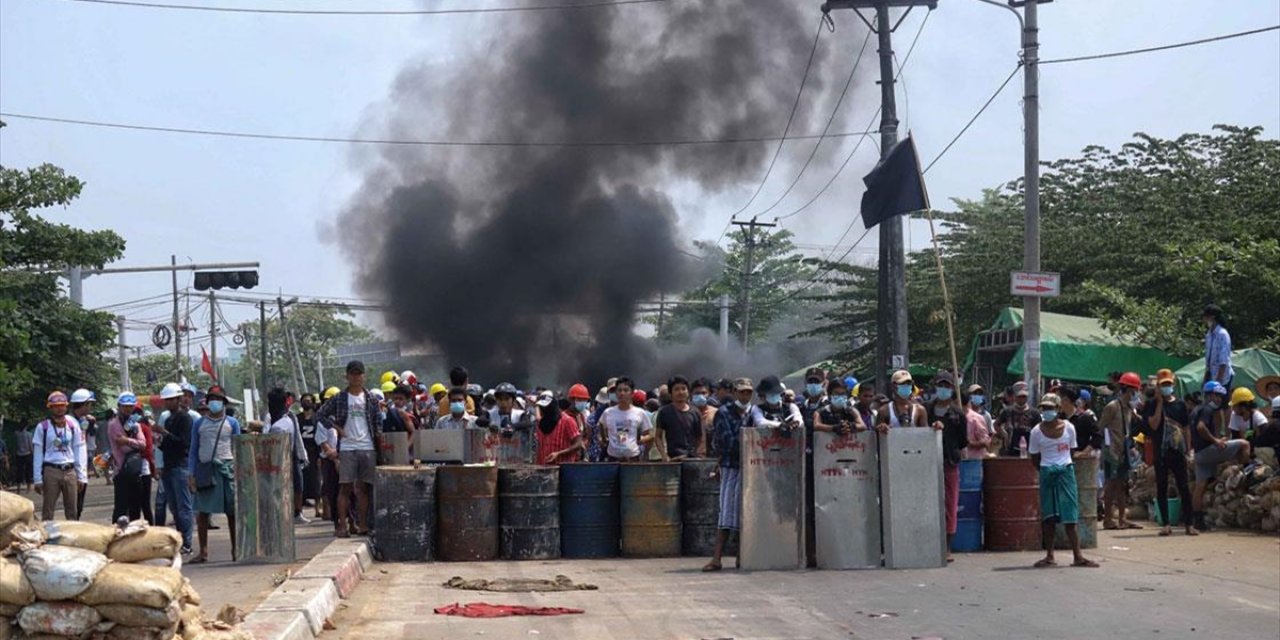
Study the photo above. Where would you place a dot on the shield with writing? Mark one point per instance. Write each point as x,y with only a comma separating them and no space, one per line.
773,499
846,494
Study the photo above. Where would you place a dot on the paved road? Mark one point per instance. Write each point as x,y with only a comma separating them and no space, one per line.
1219,585
219,581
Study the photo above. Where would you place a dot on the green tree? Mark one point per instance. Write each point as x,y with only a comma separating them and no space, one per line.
157,367
778,272
846,295
46,341
317,330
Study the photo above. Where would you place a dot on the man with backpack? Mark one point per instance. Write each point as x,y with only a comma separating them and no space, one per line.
59,459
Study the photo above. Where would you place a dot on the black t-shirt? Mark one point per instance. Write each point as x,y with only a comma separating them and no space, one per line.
1019,423
307,426
177,444
1174,411
1202,414
955,432
1268,435
394,422
1087,431
683,430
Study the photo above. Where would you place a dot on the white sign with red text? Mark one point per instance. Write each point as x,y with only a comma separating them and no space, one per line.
1035,284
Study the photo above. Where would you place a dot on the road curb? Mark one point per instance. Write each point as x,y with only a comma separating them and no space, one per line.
298,608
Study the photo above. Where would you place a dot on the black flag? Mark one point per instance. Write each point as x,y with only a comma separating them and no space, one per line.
895,186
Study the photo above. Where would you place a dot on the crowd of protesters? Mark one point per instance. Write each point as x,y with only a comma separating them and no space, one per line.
185,452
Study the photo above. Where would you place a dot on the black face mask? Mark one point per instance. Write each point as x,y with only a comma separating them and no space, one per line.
550,416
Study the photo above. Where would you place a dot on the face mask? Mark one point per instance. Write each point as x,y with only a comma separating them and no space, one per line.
904,390
1166,390
839,402
1213,404
773,398
383,413
1048,415
456,408
944,393
939,411
741,404
1135,402
699,400
813,389
977,401
613,397
135,419
582,406
215,406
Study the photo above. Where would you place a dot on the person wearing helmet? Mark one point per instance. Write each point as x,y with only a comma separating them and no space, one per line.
1245,417
354,417
1217,348
901,411
1118,417
624,427
504,417
210,464
82,410
59,459
389,376
1165,419
1210,450
128,458
175,426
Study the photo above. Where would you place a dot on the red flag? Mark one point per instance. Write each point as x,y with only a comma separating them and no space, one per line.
207,366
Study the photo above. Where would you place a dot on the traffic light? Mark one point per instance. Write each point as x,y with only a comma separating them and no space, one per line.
206,280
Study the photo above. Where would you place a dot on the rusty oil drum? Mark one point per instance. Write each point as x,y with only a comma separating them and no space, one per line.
1011,505
404,520
467,514
699,506
1087,494
650,509
529,498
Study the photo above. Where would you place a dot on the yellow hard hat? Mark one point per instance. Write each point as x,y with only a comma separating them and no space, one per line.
330,392
388,376
437,388
856,390
388,386
1242,396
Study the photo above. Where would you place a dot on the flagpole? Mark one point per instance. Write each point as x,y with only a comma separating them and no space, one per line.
942,277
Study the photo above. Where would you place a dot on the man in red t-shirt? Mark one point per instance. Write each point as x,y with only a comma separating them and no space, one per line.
559,439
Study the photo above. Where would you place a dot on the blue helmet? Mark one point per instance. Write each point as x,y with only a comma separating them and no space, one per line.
1085,395
127,399
1213,386
850,382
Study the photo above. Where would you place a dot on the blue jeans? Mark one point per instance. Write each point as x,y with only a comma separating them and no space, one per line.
160,512
177,494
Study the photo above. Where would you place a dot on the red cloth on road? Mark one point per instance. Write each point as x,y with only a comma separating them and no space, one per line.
486,610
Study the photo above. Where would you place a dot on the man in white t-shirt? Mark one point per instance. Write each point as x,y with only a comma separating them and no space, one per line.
1244,414
1050,446
626,426
354,417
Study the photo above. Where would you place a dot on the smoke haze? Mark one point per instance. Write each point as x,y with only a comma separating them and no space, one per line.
490,253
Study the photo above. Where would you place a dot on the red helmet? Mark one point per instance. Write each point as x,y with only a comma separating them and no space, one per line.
579,392
638,396
1131,380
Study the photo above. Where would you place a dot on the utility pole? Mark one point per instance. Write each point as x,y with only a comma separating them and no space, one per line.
320,372
891,315
125,384
1031,185
75,285
177,333
262,351
750,227
284,336
213,331
724,325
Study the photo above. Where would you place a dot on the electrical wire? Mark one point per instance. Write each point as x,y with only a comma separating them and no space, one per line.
973,119
364,12
432,143
1178,45
901,77
795,106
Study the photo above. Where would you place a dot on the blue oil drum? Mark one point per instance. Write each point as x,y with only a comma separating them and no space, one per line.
969,516
590,515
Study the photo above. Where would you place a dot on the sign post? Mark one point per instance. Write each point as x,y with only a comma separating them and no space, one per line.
1035,284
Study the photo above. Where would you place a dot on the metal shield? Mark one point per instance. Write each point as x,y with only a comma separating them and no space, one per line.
395,448
911,493
846,494
773,499
440,445
489,447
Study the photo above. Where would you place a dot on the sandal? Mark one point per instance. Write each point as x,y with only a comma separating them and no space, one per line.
1085,563
1045,563
198,560
1191,531
1165,532
711,567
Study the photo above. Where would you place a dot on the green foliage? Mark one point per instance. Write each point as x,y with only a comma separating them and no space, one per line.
316,330
46,341
1143,236
847,293
778,271
158,367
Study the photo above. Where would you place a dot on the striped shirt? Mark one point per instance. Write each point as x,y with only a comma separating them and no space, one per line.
560,438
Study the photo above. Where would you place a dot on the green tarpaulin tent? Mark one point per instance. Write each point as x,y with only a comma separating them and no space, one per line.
1249,365
1071,348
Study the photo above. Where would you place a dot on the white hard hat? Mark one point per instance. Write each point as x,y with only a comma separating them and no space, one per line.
82,395
171,390
377,393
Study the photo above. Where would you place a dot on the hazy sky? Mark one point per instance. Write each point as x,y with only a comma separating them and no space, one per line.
217,199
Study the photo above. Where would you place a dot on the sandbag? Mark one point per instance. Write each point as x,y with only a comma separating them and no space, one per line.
61,573
192,621
149,543
189,594
135,616
224,634
9,610
83,535
121,583
14,509
15,588
58,618
121,632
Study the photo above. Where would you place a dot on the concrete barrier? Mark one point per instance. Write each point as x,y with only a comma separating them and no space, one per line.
317,600
298,608
343,569
277,625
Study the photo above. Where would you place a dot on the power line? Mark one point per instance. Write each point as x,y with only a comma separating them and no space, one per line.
434,143
804,79
974,118
1190,43
365,12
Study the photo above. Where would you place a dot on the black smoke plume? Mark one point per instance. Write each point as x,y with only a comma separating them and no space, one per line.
524,262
